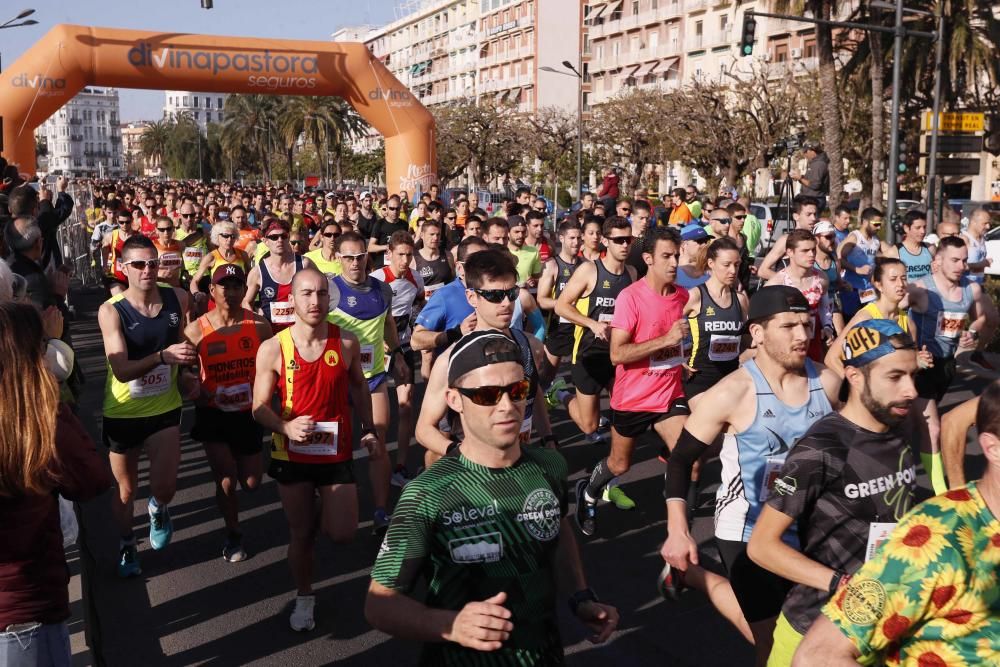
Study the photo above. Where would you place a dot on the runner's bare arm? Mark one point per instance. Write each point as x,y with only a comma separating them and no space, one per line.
580,283
624,351
546,283
253,287
307,263
955,425
434,408
184,299
265,379
985,311
767,550
773,257
825,646
115,348
831,384
601,619
423,338
206,263
693,305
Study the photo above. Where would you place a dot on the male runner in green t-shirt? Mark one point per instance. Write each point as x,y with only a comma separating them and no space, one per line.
486,526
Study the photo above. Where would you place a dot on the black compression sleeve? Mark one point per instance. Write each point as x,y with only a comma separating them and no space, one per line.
678,477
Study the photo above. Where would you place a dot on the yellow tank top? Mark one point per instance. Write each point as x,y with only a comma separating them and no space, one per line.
902,319
331,267
218,260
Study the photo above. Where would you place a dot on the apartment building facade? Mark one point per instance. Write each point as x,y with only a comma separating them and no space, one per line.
83,138
203,108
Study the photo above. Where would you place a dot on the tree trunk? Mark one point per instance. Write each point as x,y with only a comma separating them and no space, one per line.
833,133
290,159
878,117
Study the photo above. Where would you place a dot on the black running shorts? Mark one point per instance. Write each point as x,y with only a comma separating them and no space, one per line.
236,429
593,372
318,474
634,424
760,592
124,433
559,340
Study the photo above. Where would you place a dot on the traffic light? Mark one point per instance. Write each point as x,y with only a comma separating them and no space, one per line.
749,34
903,155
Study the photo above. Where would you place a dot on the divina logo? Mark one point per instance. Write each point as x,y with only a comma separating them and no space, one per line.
144,54
392,97
38,82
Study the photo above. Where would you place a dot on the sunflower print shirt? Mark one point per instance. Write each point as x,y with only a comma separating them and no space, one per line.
930,596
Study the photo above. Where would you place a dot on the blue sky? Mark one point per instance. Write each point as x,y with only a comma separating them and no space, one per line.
288,19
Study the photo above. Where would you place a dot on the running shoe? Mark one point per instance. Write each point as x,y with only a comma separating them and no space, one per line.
977,358
161,528
232,550
614,494
670,583
401,477
603,424
301,619
586,512
594,438
380,523
128,564
552,393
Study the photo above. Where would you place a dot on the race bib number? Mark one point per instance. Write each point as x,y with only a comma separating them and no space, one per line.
525,435
153,383
723,348
367,358
282,312
670,357
867,295
170,261
772,469
877,534
430,289
605,317
233,399
950,324
193,255
322,441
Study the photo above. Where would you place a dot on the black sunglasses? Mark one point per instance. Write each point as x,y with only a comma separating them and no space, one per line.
723,221
621,240
227,236
277,237
296,242
491,394
164,229
392,208
498,295
330,235
187,215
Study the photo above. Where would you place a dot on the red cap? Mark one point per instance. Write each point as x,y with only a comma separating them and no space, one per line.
273,224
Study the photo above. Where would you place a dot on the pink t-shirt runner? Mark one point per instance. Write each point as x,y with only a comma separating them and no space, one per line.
650,384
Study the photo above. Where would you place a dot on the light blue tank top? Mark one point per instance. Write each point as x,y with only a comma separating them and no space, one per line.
863,252
752,459
977,253
917,266
942,325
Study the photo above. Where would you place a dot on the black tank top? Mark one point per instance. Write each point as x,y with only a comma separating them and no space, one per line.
563,272
599,306
147,335
715,334
434,272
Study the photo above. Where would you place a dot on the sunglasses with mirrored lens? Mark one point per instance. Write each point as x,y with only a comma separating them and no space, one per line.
353,258
141,264
620,240
498,295
490,395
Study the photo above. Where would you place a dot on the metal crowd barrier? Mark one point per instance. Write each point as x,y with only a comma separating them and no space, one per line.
74,238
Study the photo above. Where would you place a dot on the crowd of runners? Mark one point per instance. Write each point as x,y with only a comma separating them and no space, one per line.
293,320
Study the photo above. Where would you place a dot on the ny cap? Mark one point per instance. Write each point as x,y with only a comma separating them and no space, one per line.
228,272
478,349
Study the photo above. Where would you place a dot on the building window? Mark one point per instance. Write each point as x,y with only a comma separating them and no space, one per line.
195,101
197,116
780,52
809,47
635,7
218,103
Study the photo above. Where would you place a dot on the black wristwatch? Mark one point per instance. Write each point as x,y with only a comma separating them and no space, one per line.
586,595
835,580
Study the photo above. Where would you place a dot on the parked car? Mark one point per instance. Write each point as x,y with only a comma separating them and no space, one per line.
771,216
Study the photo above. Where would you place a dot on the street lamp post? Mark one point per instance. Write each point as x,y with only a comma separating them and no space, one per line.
579,119
10,23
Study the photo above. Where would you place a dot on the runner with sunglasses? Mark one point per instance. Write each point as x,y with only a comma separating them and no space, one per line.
170,251
829,265
647,335
491,290
378,241
143,332
224,235
588,301
248,236
363,308
314,368
271,278
324,257
504,549
227,340
407,294
116,278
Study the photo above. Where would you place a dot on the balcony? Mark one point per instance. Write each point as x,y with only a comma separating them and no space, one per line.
695,42
76,137
75,121
648,17
509,82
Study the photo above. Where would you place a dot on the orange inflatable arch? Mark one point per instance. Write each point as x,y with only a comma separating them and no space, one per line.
70,57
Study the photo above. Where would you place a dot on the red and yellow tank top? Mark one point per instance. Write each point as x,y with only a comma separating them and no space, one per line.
115,268
227,363
319,389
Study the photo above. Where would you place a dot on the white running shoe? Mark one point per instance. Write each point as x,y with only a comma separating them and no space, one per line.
301,619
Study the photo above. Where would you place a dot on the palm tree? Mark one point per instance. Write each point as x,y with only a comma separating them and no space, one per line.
833,132
250,123
325,121
153,142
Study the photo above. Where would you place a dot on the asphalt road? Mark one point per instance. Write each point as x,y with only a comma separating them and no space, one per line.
190,607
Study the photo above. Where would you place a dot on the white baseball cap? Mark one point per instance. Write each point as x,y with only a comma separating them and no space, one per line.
823,227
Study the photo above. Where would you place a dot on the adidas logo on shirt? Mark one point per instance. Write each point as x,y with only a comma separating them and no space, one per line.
768,414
